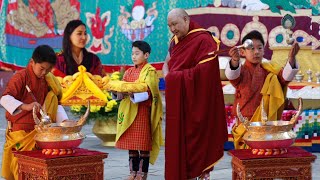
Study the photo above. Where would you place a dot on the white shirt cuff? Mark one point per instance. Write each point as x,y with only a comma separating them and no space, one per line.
289,73
11,104
139,97
61,114
232,74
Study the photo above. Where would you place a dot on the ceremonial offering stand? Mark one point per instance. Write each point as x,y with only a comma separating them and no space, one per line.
295,164
82,165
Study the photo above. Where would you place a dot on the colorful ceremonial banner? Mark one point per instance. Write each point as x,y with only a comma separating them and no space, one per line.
112,25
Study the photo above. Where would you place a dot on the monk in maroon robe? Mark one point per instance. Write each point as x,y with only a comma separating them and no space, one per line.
195,115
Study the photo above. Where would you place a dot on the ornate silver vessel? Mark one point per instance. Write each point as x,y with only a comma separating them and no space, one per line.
65,135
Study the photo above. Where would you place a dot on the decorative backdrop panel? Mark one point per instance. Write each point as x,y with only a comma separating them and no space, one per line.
112,25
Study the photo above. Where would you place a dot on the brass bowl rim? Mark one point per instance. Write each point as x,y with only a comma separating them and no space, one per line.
271,124
50,141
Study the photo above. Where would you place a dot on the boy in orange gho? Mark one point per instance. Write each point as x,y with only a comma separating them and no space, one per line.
140,114
257,80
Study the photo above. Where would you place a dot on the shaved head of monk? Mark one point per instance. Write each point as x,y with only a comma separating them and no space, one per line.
178,22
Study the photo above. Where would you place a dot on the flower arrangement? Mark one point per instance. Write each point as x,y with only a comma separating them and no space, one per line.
108,111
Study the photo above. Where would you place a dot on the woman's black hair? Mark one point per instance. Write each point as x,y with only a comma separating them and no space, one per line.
67,48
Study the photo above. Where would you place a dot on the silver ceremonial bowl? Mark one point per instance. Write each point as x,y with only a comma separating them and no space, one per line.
65,135
269,134
272,135
299,77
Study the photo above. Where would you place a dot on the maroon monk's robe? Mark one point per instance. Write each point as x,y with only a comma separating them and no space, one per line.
195,115
17,88
248,86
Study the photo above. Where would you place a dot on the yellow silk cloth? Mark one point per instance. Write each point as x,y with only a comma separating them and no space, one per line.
128,111
21,141
237,133
54,95
123,86
273,97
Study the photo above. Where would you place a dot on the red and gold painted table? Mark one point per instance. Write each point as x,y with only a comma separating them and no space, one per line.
296,164
82,165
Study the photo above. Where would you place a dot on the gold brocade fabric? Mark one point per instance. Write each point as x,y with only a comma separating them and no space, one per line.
83,86
123,86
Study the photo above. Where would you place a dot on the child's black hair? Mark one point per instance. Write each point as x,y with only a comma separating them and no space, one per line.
143,46
253,35
44,53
